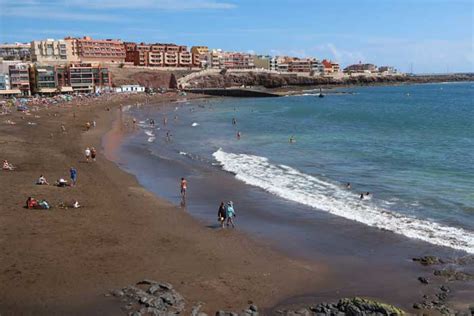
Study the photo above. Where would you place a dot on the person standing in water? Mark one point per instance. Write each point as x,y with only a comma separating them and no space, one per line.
230,214
234,121
292,139
184,187
222,214
238,135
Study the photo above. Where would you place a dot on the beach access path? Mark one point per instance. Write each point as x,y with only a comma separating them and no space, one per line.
63,261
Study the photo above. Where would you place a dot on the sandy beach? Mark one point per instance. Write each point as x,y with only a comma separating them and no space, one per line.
62,261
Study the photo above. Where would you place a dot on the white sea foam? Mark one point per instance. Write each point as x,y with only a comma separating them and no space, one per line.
151,139
149,133
195,124
293,185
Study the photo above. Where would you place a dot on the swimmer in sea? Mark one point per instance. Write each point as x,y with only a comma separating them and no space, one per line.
238,135
292,139
348,185
234,121
362,196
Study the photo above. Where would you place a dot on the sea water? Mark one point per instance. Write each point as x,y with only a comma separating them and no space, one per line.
411,147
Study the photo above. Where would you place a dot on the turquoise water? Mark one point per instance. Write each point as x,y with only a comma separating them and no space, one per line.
411,147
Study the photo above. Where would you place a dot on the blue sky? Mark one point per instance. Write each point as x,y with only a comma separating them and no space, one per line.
433,35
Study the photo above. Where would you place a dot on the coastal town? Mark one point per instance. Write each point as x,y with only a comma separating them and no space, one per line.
84,65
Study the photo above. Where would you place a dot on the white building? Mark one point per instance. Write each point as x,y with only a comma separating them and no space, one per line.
131,88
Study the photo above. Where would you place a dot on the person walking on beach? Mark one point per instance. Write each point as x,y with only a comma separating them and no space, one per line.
222,214
93,153
184,187
230,214
73,173
87,153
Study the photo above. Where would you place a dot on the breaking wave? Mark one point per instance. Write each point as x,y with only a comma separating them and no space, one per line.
293,185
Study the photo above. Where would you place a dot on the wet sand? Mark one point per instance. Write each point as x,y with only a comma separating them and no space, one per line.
57,262
361,261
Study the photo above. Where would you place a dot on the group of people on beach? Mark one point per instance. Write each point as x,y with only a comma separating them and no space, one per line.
61,182
226,212
90,154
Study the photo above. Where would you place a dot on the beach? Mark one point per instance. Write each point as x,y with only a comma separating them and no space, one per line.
64,261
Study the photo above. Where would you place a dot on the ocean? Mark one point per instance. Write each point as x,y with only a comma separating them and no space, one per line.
410,146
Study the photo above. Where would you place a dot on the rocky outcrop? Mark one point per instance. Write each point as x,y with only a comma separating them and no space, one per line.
347,306
273,80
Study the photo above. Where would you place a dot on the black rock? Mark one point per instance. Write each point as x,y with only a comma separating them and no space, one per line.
423,280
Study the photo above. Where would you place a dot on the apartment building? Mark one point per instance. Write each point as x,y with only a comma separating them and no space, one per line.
136,53
330,67
87,77
49,51
361,68
199,55
19,78
89,50
43,79
15,51
262,61
235,60
4,81
158,55
303,65
317,67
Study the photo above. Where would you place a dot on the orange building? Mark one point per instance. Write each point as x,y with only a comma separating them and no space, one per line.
158,55
87,49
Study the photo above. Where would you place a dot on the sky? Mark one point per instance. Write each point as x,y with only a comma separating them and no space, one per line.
427,36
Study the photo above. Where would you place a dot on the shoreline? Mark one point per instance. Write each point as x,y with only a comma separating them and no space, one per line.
208,180
77,255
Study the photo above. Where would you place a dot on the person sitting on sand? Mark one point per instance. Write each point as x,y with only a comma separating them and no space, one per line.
230,214
61,183
7,166
31,202
93,153
42,180
222,214
88,126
